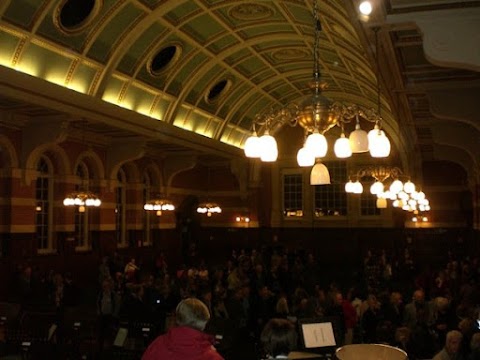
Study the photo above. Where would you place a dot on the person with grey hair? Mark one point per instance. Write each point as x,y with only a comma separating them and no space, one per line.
185,341
452,348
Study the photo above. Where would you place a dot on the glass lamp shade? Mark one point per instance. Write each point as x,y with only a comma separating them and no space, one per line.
305,158
268,148
396,186
381,203
378,143
376,188
342,147
349,187
357,187
317,144
319,175
358,140
365,8
409,187
252,146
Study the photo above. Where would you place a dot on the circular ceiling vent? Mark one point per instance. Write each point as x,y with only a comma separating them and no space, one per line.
73,16
217,91
163,59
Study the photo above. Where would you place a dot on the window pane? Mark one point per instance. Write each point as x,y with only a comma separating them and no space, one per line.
293,195
368,202
331,200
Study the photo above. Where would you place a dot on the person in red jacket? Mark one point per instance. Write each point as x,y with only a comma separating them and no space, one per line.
186,341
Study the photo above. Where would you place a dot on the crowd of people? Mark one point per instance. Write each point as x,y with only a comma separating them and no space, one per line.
427,312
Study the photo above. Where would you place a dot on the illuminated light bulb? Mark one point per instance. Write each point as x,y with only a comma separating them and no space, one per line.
365,8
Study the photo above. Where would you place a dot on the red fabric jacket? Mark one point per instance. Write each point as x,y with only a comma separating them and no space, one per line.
182,343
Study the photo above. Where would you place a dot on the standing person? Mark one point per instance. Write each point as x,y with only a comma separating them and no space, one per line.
186,341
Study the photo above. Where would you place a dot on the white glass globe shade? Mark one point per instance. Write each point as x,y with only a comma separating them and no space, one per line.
358,140
358,187
342,147
305,158
409,187
269,150
349,187
396,186
252,147
376,188
378,143
316,144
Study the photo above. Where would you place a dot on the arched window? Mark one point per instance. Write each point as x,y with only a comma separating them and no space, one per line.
147,232
44,210
120,209
82,241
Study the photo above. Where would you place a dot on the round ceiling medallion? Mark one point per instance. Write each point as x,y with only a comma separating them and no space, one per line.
251,11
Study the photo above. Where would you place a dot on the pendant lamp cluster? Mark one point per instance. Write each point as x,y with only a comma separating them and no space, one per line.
389,186
317,115
159,205
82,199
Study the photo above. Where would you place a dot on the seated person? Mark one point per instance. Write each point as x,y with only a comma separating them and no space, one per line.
278,338
451,351
186,341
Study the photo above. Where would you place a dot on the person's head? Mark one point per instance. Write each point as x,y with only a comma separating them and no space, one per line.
193,313
282,306
419,297
453,341
279,337
396,298
475,342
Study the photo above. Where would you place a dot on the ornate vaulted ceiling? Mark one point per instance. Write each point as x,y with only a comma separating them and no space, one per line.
177,74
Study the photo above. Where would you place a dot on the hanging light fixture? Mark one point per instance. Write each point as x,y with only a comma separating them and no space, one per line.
402,195
159,205
82,199
209,208
317,114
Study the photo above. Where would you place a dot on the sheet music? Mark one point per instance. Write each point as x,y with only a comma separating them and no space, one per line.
318,335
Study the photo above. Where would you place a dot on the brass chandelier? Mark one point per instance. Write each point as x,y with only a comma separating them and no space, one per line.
388,185
82,199
317,114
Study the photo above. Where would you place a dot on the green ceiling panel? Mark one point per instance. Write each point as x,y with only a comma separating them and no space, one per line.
136,52
299,14
263,76
47,64
85,74
251,66
50,31
223,43
182,12
203,28
114,31
113,89
161,108
232,135
187,71
238,56
9,45
22,12
139,99
263,30
153,3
